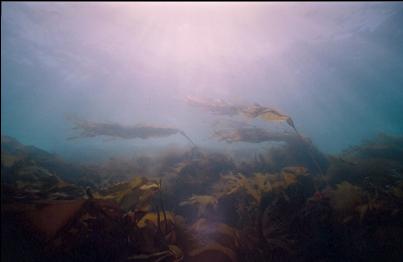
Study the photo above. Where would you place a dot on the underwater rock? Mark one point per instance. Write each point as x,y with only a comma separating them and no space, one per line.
381,146
273,208
207,231
15,157
212,252
296,152
68,229
376,165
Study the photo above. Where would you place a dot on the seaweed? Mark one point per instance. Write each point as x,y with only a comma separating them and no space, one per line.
114,130
272,207
221,107
202,202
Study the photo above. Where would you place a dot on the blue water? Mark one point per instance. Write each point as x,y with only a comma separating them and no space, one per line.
335,68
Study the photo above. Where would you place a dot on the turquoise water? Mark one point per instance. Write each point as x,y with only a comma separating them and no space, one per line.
335,68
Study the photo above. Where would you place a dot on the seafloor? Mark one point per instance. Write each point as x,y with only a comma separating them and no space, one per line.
291,203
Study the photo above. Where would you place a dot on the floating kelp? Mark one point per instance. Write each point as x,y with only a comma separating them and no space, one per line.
253,135
221,107
93,129
267,114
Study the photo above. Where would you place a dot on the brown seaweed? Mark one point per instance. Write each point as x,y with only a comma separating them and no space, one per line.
114,130
248,214
267,114
221,107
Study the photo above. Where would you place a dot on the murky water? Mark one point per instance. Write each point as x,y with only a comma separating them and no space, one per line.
202,131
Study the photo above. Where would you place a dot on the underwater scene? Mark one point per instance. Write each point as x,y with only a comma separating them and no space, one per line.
201,131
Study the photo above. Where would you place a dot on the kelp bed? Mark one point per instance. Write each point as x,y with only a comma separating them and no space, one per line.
206,206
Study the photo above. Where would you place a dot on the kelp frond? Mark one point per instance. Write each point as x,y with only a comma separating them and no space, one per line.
224,108
202,202
267,114
345,197
114,130
254,186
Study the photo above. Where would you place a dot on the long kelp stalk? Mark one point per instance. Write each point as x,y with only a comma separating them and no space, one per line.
163,209
308,146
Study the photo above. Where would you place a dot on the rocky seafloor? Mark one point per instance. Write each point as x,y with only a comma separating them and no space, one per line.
290,203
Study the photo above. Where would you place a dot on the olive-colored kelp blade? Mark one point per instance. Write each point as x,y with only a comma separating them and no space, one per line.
221,107
93,129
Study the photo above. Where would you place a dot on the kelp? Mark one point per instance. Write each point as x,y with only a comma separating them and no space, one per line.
201,202
265,210
253,186
194,177
345,196
372,204
253,135
135,194
114,130
290,174
267,114
232,183
258,184
221,107
397,191
261,183
152,217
